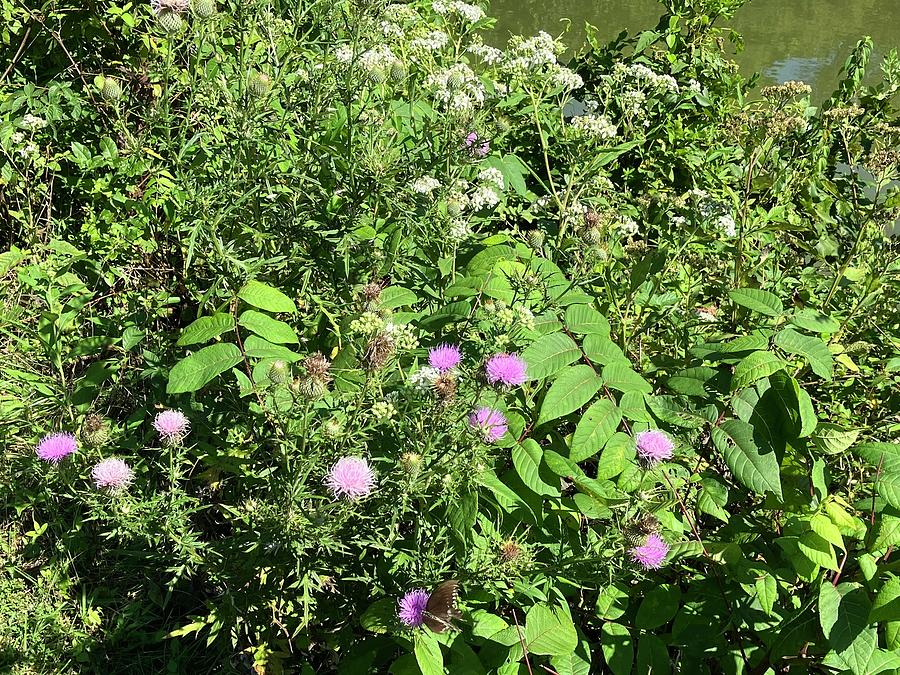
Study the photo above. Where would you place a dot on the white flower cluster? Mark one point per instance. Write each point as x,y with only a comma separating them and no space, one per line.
484,197
424,378
33,122
520,315
425,185
401,12
526,55
368,323
343,54
463,10
377,58
628,226
490,55
726,224
565,79
383,410
644,74
391,29
435,40
457,88
594,126
459,231
493,176
403,337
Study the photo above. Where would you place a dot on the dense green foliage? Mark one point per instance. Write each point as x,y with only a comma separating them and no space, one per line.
265,214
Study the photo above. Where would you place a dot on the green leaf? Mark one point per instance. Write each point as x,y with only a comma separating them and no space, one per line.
196,370
596,427
616,457
258,348
205,328
659,606
844,616
577,662
585,320
888,531
621,377
574,387
884,455
268,328
601,350
265,297
652,656
811,320
550,354
767,592
817,549
526,457
618,648
759,472
887,603
813,349
832,439
393,297
380,616
755,367
428,653
712,498
549,631
612,602
822,525
757,300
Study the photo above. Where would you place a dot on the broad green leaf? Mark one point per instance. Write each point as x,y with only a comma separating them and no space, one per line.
888,486
205,328
549,631
652,656
832,439
617,455
574,387
887,603
618,648
526,457
577,662
758,471
755,367
393,297
818,550
767,592
813,349
549,354
380,616
597,425
712,498
844,616
258,348
428,653
601,350
612,602
757,300
621,377
268,328
585,320
883,455
888,531
659,606
826,529
198,369
265,297
813,321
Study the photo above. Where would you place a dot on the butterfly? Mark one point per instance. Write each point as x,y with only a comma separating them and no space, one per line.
441,608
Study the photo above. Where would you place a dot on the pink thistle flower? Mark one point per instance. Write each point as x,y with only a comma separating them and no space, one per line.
351,477
652,554
444,357
491,423
478,149
411,610
654,446
506,369
172,426
113,474
55,447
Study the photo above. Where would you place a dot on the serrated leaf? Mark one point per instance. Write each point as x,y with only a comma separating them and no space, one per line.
585,320
844,614
813,349
597,425
574,387
888,531
265,297
758,471
887,603
757,300
549,354
822,525
755,367
268,328
201,367
549,631
817,550
621,377
767,592
205,328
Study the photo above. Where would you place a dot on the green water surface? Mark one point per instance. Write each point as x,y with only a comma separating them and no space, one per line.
805,40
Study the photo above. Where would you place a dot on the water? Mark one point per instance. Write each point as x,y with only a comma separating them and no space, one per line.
805,40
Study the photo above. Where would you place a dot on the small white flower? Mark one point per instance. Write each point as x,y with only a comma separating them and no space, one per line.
485,196
726,224
492,176
593,126
432,42
343,54
628,227
490,55
565,79
33,122
424,377
459,231
425,185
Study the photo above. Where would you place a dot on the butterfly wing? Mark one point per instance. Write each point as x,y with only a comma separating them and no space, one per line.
441,606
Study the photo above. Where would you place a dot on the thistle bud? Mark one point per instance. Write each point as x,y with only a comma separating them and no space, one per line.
379,351
510,551
332,428
454,207
637,531
279,372
593,236
445,387
411,463
112,90
259,84
94,432
535,239
170,21
310,388
204,9
591,218
378,75
398,72
457,79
